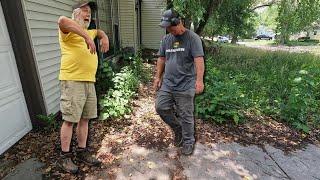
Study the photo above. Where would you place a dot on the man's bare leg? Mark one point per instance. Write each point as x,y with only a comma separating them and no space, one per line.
82,133
66,135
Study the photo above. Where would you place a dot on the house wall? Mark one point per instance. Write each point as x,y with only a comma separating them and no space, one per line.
42,16
42,19
152,34
127,23
104,8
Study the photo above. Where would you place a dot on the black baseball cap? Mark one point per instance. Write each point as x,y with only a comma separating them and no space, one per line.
81,3
166,18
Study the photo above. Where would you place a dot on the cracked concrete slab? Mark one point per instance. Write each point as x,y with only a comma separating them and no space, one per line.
302,164
213,161
142,163
217,161
30,169
230,161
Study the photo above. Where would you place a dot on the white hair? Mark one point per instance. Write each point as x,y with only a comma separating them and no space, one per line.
76,13
76,17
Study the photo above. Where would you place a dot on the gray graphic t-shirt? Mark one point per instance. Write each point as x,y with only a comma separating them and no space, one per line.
180,51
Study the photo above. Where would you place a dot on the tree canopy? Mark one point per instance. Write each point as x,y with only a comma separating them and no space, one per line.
239,18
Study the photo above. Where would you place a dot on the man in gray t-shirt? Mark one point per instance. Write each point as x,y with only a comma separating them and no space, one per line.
179,77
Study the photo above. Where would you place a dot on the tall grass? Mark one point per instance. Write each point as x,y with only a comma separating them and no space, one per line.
285,86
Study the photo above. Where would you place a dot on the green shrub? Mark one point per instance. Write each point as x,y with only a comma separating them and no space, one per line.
222,99
116,102
282,85
301,108
104,78
50,121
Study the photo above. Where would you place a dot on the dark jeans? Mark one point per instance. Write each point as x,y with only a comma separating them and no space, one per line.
176,109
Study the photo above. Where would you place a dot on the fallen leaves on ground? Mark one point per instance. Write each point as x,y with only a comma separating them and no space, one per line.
109,139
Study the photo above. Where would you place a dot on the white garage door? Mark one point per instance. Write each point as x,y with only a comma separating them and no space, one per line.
14,116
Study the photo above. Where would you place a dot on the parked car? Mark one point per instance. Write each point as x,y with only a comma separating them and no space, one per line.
304,38
263,36
223,39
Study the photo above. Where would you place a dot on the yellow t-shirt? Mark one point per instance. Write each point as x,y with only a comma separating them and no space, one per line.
77,63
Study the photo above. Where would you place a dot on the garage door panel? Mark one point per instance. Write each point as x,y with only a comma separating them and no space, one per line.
13,120
4,37
14,116
8,80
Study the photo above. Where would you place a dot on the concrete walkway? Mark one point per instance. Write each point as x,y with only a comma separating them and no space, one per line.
213,161
217,161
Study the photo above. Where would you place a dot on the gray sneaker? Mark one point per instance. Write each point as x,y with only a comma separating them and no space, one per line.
187,149
65,163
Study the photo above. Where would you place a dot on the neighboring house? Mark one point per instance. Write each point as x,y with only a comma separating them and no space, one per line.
313,34
30,53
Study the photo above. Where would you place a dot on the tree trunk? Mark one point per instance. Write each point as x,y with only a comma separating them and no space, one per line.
234,39
187,23
169,4
214,4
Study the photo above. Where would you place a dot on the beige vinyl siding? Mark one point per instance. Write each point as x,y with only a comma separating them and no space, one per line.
136,29
127,23
115,12
42,16
105,17
150,18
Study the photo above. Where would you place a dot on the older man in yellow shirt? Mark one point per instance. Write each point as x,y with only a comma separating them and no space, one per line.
79,63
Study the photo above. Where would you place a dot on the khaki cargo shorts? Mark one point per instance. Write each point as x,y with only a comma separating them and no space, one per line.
78,100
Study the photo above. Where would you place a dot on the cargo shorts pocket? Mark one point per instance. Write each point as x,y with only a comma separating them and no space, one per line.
66,104
65,99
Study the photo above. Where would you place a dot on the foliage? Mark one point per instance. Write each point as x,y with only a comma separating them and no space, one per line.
267,17
104,78
50,121
222,99
294,16
116,102
191,9
232,17
143,72
282,85
302,105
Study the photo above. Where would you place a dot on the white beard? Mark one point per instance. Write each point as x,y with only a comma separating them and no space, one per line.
82,23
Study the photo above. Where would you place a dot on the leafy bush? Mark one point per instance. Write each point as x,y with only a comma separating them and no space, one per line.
222,99
143,72
50,121
104,78
282,85
301,109
116,102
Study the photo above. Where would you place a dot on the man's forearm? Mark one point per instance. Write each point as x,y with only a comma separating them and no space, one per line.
199,62
67,25
160,67
101,34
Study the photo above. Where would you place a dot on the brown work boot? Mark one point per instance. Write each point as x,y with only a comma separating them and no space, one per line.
65,162
83,155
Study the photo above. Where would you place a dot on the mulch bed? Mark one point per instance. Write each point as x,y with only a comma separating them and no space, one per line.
150,133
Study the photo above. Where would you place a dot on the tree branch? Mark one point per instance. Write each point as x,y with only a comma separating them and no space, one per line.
212,7
264,5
